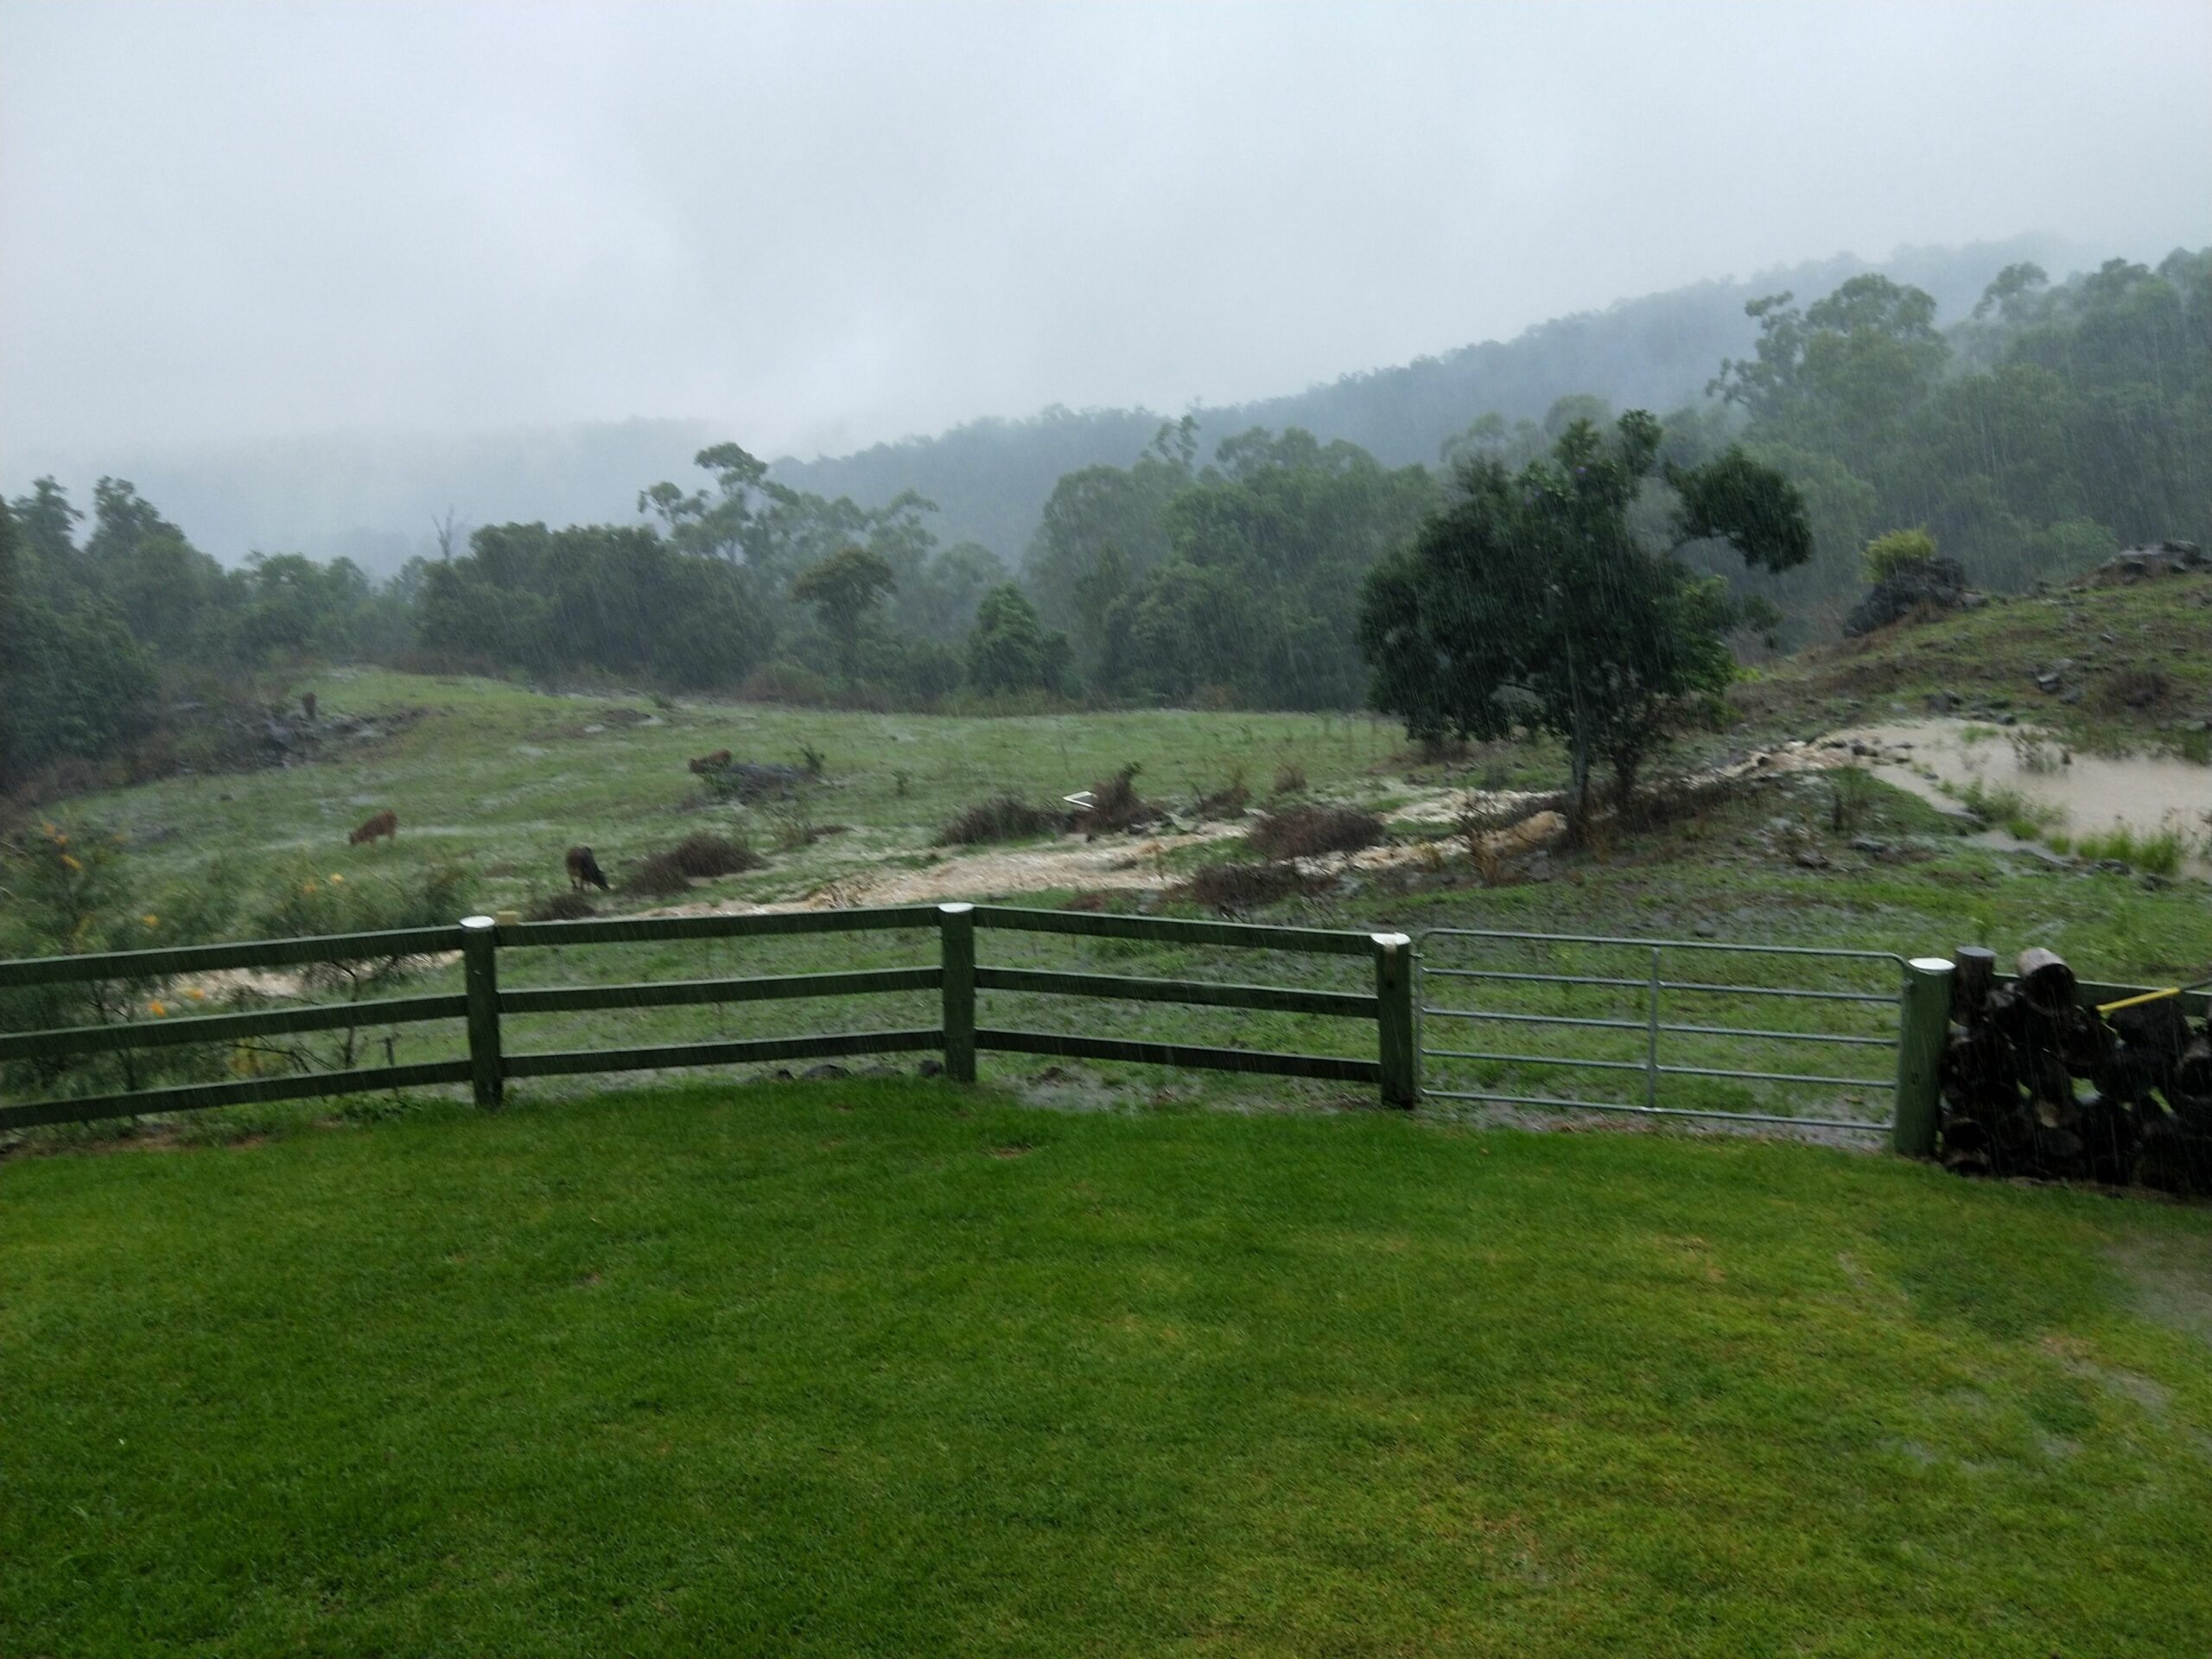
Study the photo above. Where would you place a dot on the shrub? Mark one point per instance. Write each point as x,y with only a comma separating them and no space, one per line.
311,901
2002,803
697,856
1115,805
2132,687
1311,831
1851,797
70,891
706,855
742,780
1290,778
1887,555
1003,817
2160,853
1229,801
1244,886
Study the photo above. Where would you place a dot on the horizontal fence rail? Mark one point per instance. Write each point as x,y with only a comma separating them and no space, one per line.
1697,1043
483,1006
1466,985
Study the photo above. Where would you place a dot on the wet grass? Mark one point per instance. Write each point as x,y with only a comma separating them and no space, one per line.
1727,869
504,780
895,1368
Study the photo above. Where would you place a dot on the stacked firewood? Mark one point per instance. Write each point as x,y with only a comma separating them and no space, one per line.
2034,1083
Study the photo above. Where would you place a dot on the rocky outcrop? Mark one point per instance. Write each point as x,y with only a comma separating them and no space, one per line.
2143,563
1928,584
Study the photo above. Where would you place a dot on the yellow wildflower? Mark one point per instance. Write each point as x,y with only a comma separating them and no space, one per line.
310,886
70,859
61,840
197,995
150,919
158,1010
336,880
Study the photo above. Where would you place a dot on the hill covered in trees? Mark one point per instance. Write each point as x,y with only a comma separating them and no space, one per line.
990,478
373,497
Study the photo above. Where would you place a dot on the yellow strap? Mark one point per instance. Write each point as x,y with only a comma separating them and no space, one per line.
2130,1002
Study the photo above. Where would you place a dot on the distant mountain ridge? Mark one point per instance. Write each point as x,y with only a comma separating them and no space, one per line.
990,478
372,497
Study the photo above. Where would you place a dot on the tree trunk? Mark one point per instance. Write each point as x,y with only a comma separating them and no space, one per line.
1578,787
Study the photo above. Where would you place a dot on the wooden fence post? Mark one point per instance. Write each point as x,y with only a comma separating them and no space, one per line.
1393,1007
957,935
479,945
1924,1025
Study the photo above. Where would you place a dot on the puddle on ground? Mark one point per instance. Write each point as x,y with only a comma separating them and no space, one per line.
2145,794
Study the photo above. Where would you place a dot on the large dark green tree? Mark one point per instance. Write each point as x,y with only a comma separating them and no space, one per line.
843,589
617,598
73,683
1531,601
1007,651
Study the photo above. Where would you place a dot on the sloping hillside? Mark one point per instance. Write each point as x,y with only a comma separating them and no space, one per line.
2112,667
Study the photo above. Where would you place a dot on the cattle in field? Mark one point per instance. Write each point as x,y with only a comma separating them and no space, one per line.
706,763
385,822
584,871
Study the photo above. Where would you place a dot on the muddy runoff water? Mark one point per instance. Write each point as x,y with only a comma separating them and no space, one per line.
2088,794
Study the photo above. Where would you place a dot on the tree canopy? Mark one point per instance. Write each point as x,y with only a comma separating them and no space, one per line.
1530,600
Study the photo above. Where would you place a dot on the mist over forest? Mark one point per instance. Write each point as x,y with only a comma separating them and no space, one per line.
372,496
2048,425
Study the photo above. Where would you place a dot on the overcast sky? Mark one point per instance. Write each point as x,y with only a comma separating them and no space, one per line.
819,227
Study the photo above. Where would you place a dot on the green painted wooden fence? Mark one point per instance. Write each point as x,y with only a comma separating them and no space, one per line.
480,943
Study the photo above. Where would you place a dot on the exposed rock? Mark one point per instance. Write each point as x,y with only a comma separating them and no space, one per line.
2147,561
1935,584
826,1072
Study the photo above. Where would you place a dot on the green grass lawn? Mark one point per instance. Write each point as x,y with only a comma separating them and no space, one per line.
891,1368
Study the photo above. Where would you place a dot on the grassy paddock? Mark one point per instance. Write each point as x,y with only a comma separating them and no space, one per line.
891,1368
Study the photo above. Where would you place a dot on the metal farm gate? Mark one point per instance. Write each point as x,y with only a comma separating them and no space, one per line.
1682,1027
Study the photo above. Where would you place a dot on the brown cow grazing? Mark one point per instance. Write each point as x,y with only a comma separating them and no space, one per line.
385,822
706,763
584,871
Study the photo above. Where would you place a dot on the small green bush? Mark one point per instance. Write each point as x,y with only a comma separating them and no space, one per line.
1887,555
2159,852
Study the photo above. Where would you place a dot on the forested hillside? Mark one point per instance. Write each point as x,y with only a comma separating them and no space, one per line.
371,498
990,478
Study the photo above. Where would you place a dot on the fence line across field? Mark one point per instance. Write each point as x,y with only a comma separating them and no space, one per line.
481,942
1404,1003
